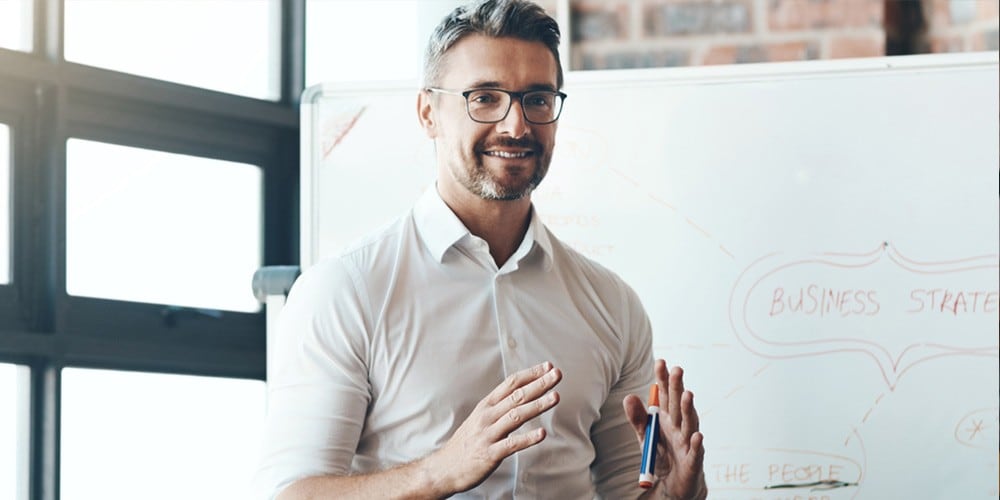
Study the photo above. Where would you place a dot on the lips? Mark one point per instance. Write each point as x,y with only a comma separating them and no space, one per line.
509,148
510,155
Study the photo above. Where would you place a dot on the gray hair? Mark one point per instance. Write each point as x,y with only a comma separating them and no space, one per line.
519,19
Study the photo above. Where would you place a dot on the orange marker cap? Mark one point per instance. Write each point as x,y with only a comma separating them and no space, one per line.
654,395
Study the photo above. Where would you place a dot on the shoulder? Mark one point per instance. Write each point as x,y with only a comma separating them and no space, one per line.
349,270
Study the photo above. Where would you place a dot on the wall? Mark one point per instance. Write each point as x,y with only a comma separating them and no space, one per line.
617,34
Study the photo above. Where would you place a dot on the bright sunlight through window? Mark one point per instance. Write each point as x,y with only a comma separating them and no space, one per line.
162,228
225,45
13,431
128,435
15,24
5,202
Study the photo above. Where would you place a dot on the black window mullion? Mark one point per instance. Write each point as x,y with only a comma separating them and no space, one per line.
293,50
48,29
46,385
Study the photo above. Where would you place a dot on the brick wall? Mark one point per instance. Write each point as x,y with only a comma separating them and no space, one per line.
962,25
611,34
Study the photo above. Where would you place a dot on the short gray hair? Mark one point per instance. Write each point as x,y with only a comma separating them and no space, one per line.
519,19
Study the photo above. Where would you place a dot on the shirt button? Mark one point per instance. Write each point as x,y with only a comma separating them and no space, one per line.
511,342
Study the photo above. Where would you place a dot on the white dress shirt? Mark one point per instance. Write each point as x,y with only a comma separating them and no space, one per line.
384,350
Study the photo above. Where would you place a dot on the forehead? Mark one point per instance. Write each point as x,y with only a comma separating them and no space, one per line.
511,63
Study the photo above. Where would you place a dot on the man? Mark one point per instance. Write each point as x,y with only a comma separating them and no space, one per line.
423,362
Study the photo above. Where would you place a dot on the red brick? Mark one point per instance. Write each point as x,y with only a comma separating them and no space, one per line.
792,51
720,55
936,13
942,13
946,43
988,9
842,47
752,53
794,15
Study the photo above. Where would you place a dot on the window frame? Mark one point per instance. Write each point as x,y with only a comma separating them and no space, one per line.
17,111
46,100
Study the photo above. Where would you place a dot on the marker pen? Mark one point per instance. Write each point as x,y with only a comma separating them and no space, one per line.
649,441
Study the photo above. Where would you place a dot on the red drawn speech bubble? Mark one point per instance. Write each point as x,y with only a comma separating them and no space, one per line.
897,311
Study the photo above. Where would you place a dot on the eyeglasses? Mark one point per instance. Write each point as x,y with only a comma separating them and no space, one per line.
492,105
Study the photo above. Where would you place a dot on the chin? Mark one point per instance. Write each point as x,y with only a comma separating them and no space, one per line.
492,190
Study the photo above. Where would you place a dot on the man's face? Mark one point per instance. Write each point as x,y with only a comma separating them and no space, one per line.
494,161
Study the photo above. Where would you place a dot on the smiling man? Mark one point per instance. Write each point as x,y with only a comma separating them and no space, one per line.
464,350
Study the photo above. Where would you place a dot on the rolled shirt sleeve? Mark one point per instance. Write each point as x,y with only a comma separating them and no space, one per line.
319,391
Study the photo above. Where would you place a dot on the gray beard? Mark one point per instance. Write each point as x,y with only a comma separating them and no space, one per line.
480,183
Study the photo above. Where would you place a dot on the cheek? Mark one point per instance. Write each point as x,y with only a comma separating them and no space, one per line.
466,138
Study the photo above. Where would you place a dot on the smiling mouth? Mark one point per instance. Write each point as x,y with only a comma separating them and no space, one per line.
508,154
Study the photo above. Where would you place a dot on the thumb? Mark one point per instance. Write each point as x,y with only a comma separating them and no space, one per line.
635,411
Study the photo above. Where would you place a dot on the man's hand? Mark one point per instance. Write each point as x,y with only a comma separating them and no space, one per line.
485,439
680,455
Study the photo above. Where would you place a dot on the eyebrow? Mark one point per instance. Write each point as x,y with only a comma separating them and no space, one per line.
496,85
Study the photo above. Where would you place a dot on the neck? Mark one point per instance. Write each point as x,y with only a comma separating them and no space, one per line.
502,224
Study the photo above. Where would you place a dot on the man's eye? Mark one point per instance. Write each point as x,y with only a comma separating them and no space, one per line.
484,98
537,101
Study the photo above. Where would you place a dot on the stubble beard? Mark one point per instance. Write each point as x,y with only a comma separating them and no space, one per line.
482,183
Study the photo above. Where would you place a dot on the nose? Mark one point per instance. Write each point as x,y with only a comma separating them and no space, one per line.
514,123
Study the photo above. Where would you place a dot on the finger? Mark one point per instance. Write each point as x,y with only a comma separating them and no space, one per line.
698,448
515,443
527,393
516,417
509,387
697,444
675,390
661,375
636,413
689,422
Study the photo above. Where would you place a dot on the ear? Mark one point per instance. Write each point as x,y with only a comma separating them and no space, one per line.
425,113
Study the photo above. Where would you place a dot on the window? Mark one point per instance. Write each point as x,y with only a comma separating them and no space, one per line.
15,22
5,204
148,166
13,431
181,41
148,226
166,436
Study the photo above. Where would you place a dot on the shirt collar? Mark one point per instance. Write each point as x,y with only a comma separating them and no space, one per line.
441,229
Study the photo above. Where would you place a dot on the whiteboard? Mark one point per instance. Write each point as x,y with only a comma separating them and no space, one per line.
816,243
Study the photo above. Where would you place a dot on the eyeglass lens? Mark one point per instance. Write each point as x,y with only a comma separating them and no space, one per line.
492,105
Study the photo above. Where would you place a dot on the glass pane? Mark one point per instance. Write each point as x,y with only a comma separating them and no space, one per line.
15,24
14,384
333,34
166,436
227,45
5,203
148,226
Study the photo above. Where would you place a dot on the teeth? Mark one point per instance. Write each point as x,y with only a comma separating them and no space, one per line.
504,154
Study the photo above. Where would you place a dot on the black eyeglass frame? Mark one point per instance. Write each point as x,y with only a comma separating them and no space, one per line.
518,95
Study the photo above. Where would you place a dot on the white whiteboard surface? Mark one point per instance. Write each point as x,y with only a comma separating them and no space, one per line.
867,187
